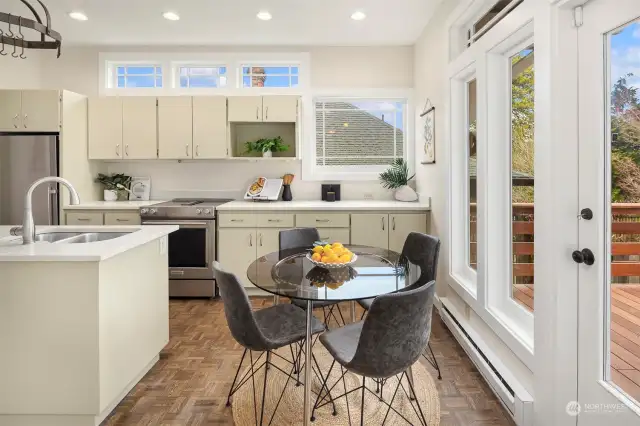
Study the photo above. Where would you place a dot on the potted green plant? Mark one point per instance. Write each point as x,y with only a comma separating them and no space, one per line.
116,186
266,146
397,177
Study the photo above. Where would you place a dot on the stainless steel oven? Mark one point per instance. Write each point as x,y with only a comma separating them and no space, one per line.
192,248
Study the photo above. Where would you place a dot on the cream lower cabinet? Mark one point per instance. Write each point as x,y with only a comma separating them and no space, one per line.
401,225
335,235
237,250
370,229
268,241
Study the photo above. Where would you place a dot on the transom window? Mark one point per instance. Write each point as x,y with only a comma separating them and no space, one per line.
359,132
270,76
202,76
139,75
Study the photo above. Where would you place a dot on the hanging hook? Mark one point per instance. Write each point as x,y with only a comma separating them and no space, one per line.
10,33
2,39
22,55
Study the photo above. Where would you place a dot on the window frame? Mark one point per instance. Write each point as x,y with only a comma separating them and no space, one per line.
289,64
175,73
112,74
313,172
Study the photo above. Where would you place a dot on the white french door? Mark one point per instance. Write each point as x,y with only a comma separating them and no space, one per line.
609,176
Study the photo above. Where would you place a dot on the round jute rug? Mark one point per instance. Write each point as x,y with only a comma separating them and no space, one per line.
290,410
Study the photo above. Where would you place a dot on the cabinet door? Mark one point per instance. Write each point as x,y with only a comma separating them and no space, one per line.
41,110
210,127
400,225
175,127
139,128
280,109
237,250
268,240
85,218
105,128
245,108
121,218
335,235
370,229
10,110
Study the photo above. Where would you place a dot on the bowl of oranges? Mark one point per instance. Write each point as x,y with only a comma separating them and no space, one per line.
331,256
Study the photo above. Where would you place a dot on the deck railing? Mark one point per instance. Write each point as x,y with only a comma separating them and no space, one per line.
625,247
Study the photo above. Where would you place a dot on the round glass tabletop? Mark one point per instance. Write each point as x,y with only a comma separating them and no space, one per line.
290,273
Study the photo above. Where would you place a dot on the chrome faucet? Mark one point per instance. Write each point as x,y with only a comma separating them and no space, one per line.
28,229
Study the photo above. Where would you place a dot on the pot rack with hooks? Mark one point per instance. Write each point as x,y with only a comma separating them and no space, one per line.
12,36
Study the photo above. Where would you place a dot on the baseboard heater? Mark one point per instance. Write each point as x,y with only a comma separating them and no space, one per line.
517,402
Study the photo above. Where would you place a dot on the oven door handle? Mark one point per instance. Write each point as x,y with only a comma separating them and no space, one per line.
181,224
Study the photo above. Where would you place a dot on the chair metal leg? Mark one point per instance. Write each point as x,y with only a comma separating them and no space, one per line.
353,311
253,388
412,395
276,300
264,385
324,385
236,378
435,361
424,420
364,379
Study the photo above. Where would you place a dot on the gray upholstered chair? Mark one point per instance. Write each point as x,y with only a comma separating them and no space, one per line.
422,250
304,238
263,331
386,343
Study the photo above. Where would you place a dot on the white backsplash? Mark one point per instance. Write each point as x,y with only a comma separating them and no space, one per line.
230,179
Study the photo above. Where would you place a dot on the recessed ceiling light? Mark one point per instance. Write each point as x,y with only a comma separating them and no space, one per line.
264,15
171,16
78,16
358,16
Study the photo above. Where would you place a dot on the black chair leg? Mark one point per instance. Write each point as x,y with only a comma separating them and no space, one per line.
364,379
433,361
264,384
235,378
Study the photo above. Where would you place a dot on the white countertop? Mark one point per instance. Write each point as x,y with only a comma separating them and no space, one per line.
112,205
12,249
352,205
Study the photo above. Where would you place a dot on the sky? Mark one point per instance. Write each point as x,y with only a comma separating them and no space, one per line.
625,54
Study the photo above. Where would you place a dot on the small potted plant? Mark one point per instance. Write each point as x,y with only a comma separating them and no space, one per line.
397,177
116,186
266,146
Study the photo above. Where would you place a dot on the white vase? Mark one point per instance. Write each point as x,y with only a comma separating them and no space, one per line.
267,154
110,195
405,193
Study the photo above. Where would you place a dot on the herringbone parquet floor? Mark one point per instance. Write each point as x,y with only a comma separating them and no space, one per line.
189,385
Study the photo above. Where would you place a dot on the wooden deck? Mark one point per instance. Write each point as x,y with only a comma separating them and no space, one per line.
625,333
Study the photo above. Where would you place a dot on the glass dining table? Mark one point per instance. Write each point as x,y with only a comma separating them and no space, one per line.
290,273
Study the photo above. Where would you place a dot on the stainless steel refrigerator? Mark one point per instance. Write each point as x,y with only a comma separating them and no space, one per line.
24,159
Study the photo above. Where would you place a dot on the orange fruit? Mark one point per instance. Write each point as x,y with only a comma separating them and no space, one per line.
345,258
316,257
324,259
318,249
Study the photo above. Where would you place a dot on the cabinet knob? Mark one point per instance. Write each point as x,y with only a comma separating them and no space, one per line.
15,121
126,150
257,113
186,150
197,150
24,122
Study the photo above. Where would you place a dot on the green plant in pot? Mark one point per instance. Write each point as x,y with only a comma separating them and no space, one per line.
116,186
397,177
266,146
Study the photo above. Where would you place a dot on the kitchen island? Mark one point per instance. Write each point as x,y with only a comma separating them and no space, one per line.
80,322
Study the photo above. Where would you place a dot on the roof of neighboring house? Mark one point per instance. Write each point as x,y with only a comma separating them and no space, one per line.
519,178
357,133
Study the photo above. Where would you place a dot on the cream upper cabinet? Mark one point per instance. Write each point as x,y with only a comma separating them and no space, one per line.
245,108
268,241
10,110
105,128
41,110
139,128
237,250
280,109
370,229
175,127
209,127
401,225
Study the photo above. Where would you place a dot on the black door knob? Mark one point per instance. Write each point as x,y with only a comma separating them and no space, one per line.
586,214
583,256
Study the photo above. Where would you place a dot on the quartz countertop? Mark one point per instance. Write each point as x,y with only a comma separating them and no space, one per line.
349,205
12,249
112,205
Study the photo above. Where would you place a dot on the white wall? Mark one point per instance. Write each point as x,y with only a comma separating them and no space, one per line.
431,58
341,68
16,73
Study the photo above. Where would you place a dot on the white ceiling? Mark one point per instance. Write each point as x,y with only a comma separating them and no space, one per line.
234,22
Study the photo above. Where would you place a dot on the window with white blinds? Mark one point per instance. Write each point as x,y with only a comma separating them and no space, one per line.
359,132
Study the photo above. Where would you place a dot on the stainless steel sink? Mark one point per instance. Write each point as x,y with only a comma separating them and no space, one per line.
93,237
52,237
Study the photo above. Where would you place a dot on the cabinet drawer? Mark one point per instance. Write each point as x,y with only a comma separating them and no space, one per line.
322,220
335,235
275,220
237,220
84,218
121,219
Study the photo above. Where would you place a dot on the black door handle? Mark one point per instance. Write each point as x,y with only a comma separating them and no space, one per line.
586,214
584,256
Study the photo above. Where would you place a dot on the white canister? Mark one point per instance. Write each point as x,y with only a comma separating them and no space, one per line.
110,195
